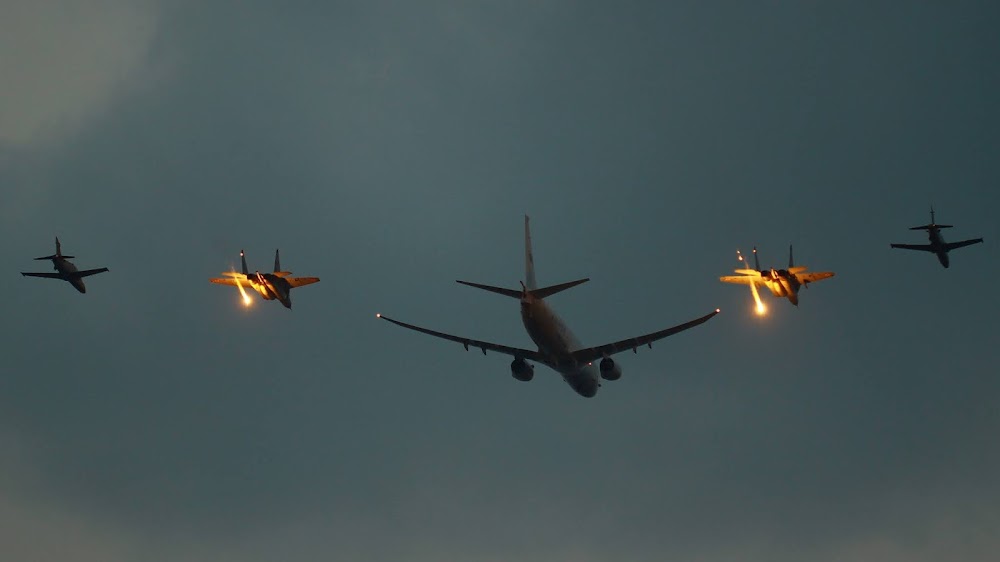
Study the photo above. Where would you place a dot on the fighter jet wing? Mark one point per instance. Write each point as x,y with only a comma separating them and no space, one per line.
44,275
231,281
742,279
963,243
300,281
483,345
814,276
922,247
594,353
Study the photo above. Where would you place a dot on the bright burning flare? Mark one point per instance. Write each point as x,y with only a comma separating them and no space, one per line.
760,308
246,298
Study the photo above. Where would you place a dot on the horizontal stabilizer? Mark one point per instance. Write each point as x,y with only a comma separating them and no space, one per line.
281,273
797,269
746,271
513,293
553,289
54,256
930,226
301,281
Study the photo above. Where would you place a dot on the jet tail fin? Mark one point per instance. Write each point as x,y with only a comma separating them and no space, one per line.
277,261
243,262
529,258
756,262
56,255
791,259
931,225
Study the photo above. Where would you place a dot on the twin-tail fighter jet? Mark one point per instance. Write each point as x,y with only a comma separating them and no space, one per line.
937,246
557,347
65,270
781,282
276,285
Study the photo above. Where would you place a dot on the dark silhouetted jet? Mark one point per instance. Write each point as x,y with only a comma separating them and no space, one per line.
66,270
557,347
781,282
276,285
937,246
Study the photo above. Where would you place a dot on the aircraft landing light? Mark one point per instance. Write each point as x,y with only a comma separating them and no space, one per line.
378,315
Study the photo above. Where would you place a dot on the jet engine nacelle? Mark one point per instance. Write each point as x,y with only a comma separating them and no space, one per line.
522,370
610,371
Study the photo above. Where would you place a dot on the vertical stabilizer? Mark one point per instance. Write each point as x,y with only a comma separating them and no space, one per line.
529,258
58,248
791,260
756,262
243,260
932,214
277,261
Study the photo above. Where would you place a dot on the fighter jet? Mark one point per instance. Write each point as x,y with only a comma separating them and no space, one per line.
937,246
557,347
66,270
781,282
275,285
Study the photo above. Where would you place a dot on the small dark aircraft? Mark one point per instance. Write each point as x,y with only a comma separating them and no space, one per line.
781,282
276,285
937,246
66,270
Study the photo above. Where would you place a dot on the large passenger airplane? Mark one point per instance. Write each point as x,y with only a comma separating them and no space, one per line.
781,282
557,347
937,246
66,270
276,285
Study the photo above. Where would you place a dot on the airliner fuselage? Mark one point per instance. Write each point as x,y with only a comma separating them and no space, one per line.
557,343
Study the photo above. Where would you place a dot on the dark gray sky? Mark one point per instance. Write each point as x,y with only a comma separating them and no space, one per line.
391,148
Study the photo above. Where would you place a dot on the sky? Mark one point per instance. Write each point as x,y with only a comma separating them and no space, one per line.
393,147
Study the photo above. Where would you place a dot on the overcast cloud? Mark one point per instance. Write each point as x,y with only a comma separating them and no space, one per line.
393,147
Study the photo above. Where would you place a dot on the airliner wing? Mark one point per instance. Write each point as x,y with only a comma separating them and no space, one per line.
814,276
963,243
300,281
483,345
742,279
44,275
922,247
594,353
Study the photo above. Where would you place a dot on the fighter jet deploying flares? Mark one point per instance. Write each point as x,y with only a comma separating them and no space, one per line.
276,285
781,282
